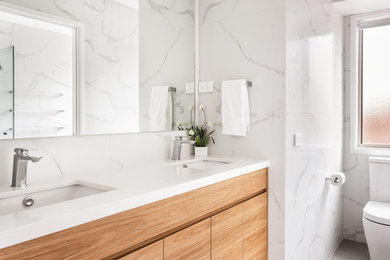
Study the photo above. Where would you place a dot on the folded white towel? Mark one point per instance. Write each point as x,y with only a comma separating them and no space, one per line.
235,108
161,109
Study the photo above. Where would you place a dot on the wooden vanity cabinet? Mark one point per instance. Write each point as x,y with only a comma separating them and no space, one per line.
241,232
226,220
237,233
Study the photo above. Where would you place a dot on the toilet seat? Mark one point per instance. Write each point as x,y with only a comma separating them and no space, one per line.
378,212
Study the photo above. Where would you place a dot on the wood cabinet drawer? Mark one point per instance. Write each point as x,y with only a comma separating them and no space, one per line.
154,251
190,243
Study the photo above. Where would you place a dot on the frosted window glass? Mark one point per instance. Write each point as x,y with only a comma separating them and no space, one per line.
376,86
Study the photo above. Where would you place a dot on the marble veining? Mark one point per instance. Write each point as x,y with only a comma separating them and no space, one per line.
356,193
314,90
121,52
246,39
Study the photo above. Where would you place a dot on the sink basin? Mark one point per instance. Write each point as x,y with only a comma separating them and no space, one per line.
45,197
200,163
204,164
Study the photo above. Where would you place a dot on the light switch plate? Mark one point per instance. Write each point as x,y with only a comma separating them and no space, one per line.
298,140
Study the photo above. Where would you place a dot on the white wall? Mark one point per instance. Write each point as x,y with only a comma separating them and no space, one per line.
315,109
72,156
356,189
246,39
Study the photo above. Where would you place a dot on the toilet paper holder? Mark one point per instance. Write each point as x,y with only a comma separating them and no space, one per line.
336,179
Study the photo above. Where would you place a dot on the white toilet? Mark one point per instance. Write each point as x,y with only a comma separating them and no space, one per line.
376,213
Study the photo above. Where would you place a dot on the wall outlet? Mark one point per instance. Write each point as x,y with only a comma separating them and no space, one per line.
206,87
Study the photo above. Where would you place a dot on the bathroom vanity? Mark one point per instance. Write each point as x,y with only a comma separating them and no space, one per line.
201,208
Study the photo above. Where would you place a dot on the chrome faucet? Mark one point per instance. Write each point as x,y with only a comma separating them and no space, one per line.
19,173
179,140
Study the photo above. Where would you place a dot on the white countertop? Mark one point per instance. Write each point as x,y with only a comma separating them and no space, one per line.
133,187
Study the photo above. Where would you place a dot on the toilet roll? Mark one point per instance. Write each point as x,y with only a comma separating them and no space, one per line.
337,179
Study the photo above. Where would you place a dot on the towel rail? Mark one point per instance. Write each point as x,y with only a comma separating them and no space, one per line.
248,83
172,89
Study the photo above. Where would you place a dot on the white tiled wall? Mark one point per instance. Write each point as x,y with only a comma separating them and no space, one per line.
86,154
249,39
246,39
356,189
315,109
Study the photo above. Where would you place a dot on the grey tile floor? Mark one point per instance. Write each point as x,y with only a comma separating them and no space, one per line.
351,250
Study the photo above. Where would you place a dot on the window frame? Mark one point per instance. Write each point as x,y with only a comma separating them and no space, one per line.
356,87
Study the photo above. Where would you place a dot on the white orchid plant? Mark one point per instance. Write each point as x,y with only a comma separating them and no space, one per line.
200,134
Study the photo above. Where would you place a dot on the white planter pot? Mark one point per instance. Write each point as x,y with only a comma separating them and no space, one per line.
201,151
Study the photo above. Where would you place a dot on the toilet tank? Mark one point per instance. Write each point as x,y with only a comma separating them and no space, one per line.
379,179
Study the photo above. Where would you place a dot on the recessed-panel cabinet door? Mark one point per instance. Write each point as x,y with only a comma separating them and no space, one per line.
226,234
255,231
190,243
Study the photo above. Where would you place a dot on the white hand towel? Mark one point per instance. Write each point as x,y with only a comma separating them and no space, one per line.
161,109
235,108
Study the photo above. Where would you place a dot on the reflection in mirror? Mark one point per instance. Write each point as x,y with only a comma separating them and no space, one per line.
137,58
36,77
138,61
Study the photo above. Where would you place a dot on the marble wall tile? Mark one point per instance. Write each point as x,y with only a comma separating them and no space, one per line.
246,39
127,52
72,156
167,46
314,105
356,192
110,101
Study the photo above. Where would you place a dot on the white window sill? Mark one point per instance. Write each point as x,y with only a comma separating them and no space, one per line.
371,151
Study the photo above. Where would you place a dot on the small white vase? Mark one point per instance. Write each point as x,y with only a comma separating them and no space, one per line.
201,151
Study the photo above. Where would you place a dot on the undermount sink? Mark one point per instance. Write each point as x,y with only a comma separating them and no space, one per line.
200,163
204,164
35,199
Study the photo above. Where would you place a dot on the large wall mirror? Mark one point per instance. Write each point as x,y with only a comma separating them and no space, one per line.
95,66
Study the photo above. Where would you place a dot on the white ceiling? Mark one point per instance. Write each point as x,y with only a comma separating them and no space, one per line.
130,3
349,7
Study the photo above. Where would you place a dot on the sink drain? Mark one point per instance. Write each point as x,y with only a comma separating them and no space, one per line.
28,202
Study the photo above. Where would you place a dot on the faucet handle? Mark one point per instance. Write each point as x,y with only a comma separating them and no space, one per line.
21,151
24,153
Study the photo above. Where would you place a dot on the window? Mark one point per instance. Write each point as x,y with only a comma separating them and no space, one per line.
371,61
